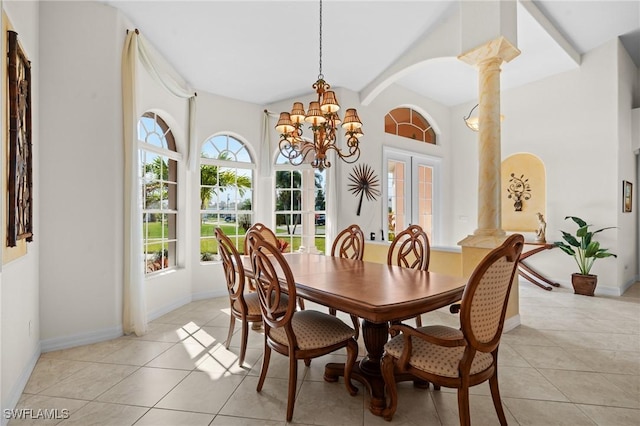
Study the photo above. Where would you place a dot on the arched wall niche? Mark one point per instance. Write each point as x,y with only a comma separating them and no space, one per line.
533,171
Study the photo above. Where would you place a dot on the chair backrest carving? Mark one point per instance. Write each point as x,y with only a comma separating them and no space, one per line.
232,265
266,233
349,244
410,249
273,279
484,302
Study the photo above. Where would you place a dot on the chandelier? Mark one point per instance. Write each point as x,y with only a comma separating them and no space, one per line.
322,116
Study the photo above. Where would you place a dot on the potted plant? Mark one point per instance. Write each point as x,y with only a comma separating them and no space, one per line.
585,250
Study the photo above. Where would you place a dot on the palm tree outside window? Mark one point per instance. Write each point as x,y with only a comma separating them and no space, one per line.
159,171
300,195
226,192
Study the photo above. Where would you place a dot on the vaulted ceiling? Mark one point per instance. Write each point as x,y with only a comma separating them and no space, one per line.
266,51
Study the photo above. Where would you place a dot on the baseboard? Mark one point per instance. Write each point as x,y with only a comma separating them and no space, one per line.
157,313
608,291
209,294
600,289
117,331
66,342
511,323
18,387
629,284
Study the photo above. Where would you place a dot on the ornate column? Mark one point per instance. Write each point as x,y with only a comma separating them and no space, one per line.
488,58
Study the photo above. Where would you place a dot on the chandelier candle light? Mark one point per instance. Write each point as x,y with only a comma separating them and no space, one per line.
322,115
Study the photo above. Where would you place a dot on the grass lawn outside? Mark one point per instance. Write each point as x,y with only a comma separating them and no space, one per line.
208,243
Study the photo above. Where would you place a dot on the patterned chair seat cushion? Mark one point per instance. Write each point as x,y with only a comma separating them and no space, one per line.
253,304
313,330
434,359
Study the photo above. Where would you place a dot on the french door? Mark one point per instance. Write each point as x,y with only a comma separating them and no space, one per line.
411,191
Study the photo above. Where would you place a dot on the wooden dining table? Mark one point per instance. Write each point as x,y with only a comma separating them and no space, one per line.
376,293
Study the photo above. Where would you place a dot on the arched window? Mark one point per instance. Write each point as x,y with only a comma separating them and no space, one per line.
300,198
159,170
226,192
409,123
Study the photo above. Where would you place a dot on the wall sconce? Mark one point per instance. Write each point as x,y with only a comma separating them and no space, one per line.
474,122
519,190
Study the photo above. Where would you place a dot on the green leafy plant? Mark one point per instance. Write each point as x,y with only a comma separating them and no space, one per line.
582,246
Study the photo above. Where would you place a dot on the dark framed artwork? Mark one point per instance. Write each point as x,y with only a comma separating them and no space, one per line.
627,190
20,173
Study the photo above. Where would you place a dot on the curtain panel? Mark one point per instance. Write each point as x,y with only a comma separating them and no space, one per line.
137,50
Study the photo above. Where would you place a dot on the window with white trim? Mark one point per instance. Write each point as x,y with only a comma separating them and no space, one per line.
159,171
411,190
226,192
300,200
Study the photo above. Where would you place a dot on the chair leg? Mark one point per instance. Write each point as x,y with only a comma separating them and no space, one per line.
243,342
265,366
232,323
463,405
301,303
332,311
418,321
293,380
352,354
307,362
495,395
387,367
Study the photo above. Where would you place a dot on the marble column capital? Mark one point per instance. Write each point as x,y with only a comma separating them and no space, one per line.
499,49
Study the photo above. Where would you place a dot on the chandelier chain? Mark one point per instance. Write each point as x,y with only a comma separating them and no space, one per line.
324,122
320,76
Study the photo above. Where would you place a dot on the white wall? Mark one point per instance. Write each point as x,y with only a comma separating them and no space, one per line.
215,115
166,291
372,117
70,282
81,263
627,264
570,122
19,292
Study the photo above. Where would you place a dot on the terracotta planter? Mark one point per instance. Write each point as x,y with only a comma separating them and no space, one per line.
584,284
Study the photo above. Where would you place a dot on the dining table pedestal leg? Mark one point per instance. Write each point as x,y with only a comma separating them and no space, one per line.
367,371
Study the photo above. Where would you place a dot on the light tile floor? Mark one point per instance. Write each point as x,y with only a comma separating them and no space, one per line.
575,360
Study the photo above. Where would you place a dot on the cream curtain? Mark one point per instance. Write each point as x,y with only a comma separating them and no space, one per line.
265,149
134,318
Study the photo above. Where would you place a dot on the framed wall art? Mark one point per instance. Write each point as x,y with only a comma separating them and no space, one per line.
627,190
20,173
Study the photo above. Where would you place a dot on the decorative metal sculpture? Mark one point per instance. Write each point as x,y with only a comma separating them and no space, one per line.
364,182
20,174
519,190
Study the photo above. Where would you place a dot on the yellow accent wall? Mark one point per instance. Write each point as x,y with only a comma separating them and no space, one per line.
443,262
533,169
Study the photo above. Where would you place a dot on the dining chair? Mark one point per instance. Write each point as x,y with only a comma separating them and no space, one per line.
244,306
271,237
464,357
349,244
296,334
265,232
410,249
